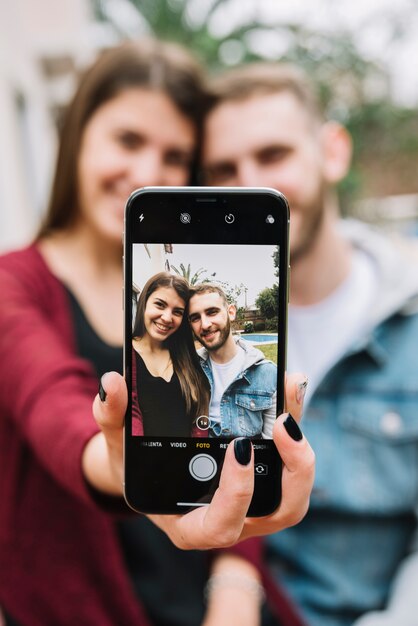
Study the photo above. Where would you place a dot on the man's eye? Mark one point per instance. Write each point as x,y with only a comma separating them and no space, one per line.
193,318
274,154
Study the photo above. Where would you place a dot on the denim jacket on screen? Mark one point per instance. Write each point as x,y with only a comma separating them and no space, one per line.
362,422
249,399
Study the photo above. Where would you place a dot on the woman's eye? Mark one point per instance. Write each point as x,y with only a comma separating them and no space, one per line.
130,140
178,159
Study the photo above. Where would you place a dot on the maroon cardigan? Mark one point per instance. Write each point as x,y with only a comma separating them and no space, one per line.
60,561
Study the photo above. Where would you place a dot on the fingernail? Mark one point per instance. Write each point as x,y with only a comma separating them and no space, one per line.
292,428
301,390
242,449
102,392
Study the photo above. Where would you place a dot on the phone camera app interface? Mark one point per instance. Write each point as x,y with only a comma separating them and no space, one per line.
204,340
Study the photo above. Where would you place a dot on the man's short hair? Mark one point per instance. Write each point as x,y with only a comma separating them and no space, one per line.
255,79
201,288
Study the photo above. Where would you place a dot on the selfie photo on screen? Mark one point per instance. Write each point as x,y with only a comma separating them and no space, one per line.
204,340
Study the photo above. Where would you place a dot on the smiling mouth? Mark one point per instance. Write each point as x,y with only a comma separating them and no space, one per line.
161,328
209,335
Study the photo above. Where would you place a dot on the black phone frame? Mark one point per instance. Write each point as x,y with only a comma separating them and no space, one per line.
147,489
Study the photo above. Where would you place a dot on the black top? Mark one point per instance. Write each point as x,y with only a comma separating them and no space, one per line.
162,404
168,581
103,357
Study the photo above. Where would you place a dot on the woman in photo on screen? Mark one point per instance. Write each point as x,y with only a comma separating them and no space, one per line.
170,389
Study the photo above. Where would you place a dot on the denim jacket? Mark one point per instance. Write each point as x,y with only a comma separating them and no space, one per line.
248,405
362,422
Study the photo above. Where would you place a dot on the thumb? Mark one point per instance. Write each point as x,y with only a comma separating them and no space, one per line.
110,404
295,389
102,460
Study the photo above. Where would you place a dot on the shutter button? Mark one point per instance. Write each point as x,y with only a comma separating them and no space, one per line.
203,467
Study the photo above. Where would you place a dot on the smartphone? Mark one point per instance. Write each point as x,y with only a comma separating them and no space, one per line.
205,299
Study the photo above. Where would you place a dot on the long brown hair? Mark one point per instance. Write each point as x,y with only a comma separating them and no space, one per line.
193,382
151,64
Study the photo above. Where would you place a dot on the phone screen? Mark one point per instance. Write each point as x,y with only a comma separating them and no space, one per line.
205,326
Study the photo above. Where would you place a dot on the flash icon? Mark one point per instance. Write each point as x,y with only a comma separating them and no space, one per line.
141,217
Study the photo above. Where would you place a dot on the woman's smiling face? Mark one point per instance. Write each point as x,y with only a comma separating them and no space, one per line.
163,314
137,139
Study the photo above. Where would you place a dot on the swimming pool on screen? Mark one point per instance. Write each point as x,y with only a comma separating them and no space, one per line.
258,338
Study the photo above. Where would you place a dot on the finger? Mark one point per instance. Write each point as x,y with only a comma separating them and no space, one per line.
232,499
298,469
295,389
220,524
109,406
297,480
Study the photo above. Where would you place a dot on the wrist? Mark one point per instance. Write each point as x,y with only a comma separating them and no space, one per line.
233,599
237,583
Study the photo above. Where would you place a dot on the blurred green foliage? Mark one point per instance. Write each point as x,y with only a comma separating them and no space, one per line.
248,327
268,301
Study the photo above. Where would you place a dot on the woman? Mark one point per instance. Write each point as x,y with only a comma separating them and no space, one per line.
169,387
133,121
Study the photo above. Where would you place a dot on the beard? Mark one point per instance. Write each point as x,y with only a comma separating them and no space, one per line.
312,217
223,336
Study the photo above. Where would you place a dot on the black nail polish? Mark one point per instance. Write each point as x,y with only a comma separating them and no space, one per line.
292,428
102,393
242,449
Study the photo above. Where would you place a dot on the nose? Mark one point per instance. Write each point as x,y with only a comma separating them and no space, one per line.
166,316
205,322
146,169
249,174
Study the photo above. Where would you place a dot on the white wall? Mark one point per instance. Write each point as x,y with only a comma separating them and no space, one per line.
30,33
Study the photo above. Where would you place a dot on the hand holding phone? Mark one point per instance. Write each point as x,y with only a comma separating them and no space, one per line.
206,273
224,521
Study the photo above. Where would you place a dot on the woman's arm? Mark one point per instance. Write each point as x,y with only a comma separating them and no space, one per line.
45,388
234,593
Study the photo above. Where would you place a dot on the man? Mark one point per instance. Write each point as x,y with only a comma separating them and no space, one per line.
353,327
235,369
